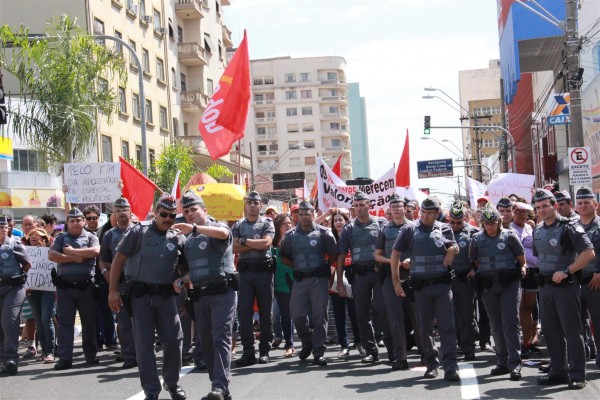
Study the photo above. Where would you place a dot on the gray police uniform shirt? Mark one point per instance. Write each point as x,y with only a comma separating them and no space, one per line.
110,241
505,240
462,262
254,230
12,257
385,241
346,239
593,232
307,249
72,271
207,257
574,233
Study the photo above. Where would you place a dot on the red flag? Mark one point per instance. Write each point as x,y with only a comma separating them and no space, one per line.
224,120
138,189
337,168
403,171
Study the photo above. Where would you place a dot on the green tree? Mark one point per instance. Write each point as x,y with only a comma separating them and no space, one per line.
218,171
65,87
172,158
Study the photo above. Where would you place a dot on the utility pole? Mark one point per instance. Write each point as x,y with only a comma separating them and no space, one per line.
504,150
574,73
477,142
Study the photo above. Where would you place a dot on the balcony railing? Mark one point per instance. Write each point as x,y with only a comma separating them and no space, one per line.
191,53
227,37
189,9
194,100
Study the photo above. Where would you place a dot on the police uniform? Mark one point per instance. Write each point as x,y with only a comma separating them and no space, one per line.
564,195
75,293
499,278
556,246
211,269
256,280
394,304
308,251
150,269
359,239
590,298
426,247
14,263
108,250
463,291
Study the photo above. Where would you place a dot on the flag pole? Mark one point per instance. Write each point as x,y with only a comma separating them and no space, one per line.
239,162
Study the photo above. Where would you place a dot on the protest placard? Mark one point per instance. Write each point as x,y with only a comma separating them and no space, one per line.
224,201
38,276
507,184
92,182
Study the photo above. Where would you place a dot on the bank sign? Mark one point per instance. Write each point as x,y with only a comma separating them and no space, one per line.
559,110
435,168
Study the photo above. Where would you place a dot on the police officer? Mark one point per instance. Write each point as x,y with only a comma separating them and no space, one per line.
494,251
590,283
108,250
14,264
431,249
305,248
463,291
563,249
394,304
150,251
505,208
359,237
252,239
209,255
564,205
75,253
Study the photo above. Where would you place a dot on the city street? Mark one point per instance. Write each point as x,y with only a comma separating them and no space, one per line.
292,379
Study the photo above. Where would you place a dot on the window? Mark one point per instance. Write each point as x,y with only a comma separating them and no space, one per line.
259,97
122,100
27,161
332,76
309,144
290,94
262,149
183,79
146,61
132,62
270,96
162,115
336,143
118,45
273,147
179,34
209,87
309,160
271,115
292,128
306,94
160,70
258,81
102,85
334,126
308,128
125,150
136,106
260,114
106,149
269,80
304,77
175,127
293,145
152,160
291,112
142,8
334,109
306,110
261,131
295,162
186,128
99,29
290,78
157,20
138,153
148,112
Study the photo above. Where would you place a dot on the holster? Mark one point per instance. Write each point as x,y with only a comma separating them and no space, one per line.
125,293
217,286
384,270
188,303
484,282
317,273
349,273
234,281
14,280
416,283
410,293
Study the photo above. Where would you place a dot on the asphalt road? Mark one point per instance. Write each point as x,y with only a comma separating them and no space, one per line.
291,379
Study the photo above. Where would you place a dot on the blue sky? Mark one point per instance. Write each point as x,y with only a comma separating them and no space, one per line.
394,48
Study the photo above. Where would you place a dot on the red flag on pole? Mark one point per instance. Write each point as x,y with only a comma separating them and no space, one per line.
224,120
403,171
337,168
138,189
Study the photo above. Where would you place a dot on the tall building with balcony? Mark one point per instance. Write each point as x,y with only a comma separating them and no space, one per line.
181,45
299,111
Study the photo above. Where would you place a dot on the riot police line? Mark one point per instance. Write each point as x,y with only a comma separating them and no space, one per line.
421,267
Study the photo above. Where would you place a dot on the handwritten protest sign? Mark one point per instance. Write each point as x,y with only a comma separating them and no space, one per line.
506,184
38,276
93,182
476,189
224,201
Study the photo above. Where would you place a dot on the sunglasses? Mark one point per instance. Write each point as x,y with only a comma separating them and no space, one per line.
91,218
167,215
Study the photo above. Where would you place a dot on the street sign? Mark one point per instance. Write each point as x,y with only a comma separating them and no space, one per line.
289,180
435,168
580,166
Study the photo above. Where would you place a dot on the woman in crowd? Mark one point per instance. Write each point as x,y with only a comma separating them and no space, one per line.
339,219
43,304
284,277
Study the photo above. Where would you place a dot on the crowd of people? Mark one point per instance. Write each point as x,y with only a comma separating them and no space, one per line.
190,284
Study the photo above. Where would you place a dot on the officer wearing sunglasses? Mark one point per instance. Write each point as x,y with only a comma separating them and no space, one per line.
150,253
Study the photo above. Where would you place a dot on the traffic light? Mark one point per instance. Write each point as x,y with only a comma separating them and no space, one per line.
427,129
3,115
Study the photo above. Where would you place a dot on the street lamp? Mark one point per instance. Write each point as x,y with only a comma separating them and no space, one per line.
290,149
441,144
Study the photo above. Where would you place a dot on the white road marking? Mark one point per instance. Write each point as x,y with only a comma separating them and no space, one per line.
142,396
469,387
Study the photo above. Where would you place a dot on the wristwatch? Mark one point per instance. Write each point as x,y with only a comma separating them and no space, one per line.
103,271
566,271
194,228
243,241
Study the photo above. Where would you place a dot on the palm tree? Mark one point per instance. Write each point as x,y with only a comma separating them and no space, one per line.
65,80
